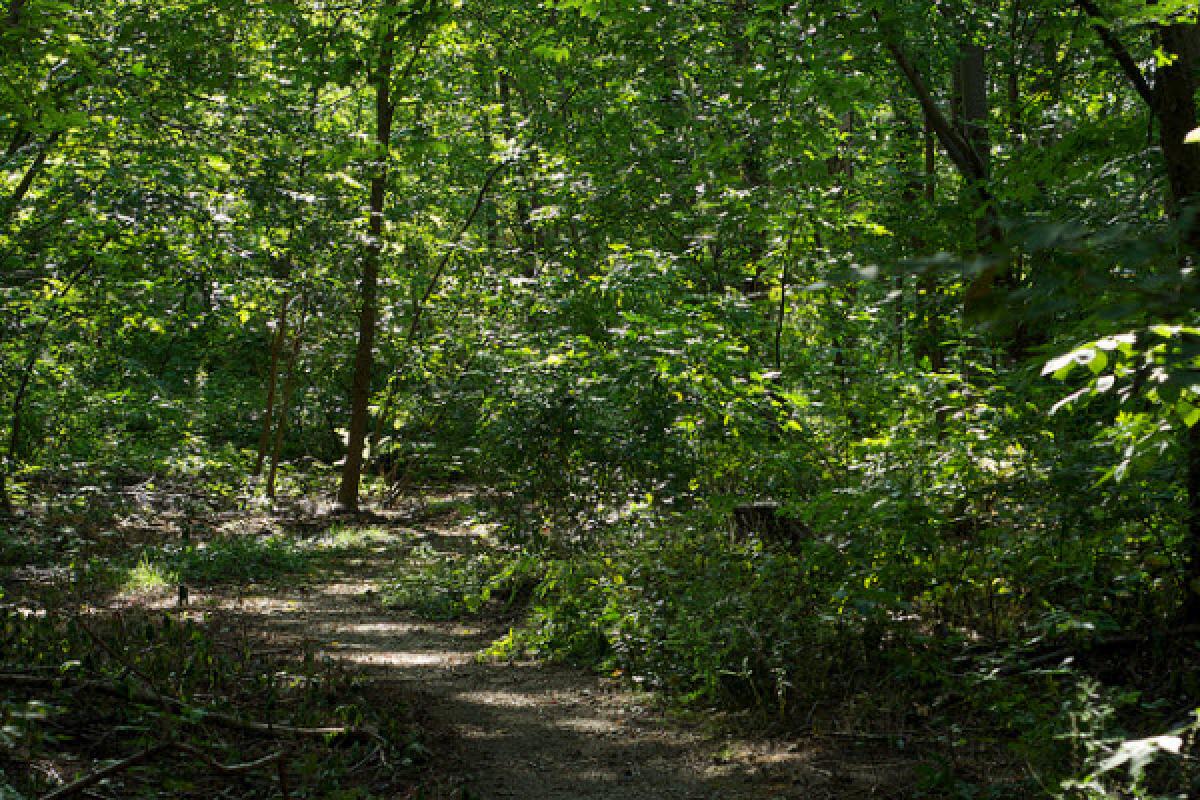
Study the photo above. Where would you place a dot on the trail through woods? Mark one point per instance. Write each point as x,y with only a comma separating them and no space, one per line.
527,729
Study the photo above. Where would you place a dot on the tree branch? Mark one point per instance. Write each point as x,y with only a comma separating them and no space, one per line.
441,267
968,162
18,196
14,12
230,769
92,778
186,713
1115,46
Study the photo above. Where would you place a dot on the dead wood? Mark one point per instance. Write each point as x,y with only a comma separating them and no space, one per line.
187,713
92,778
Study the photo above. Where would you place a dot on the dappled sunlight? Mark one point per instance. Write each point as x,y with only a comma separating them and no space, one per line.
420,659
592,726
505,699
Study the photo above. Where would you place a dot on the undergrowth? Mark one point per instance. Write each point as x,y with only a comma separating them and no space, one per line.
224,559
818,638
440,585
82,692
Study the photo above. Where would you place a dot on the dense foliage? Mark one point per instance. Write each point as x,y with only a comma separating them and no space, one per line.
917,279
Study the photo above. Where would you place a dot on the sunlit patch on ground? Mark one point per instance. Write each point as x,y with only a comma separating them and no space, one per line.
403,659
589,725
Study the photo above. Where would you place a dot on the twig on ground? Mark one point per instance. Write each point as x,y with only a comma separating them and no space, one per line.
230,769
189,713
92,778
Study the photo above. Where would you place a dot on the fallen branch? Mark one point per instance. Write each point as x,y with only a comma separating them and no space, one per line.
92,778
186,713
1088,647
230,769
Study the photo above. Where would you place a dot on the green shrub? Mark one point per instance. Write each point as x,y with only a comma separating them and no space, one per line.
225,559
441,585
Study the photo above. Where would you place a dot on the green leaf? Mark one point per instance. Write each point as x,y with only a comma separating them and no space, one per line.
1060,366
1188,413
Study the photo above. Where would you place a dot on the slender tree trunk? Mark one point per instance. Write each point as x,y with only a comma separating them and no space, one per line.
928,293
13,204
285,400
971,80
360,391
264,437
967,146
785,279
13,18
527,198
20,139
23,383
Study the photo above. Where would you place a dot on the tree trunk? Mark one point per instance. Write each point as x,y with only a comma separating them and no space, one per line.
360,391
963,136
9,463
928,342
6,503
264,437
1172,101
285,400
971,82
1175,94
13,204
13,18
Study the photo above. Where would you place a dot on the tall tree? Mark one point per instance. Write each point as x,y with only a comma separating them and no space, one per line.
360,390
1170,96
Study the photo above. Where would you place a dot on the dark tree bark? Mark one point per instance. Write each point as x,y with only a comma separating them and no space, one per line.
967,146
13,18
264,438
527,200
1172,103
360,391
1175,95
971,81
285,400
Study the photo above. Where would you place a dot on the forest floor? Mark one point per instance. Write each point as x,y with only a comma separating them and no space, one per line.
505,729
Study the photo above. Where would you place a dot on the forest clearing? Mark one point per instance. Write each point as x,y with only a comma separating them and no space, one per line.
598,399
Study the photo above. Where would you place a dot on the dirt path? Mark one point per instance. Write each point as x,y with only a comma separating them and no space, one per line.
528,730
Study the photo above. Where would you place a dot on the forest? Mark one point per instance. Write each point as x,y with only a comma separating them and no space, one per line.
599,399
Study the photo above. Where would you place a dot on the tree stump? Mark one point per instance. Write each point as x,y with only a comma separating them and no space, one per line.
765,520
